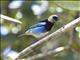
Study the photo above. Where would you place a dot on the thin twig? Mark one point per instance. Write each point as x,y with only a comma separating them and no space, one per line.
58,32
9,18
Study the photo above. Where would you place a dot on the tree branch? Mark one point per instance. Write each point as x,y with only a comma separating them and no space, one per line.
58,32
9,19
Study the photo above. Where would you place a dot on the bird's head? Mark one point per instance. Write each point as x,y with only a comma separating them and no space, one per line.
53,18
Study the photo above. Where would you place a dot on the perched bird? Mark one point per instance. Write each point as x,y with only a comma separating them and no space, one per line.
42,28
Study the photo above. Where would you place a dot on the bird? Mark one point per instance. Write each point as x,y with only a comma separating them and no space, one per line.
41,28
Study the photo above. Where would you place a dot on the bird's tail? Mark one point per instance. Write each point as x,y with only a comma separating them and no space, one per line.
21,35
26,33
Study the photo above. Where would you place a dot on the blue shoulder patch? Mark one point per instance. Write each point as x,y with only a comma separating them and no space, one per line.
38,25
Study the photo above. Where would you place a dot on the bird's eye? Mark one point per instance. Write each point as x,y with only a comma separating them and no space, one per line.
55,18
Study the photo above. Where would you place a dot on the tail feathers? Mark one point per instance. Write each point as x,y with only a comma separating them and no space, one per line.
26,33
21,35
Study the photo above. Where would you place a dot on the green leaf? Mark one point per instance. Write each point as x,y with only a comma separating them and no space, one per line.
79,35
71,5
78,29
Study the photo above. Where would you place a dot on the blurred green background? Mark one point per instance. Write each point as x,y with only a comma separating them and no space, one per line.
29,13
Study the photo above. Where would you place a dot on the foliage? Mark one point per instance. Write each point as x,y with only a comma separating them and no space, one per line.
68,13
